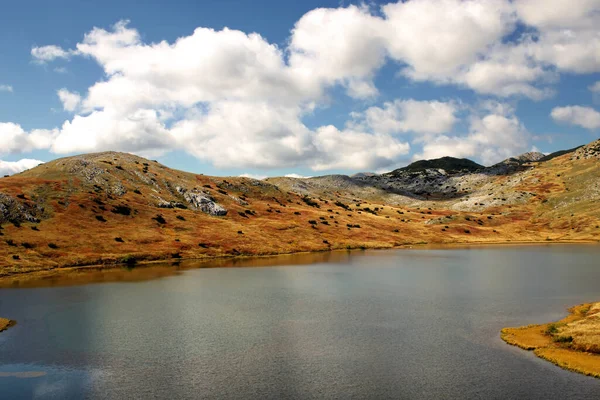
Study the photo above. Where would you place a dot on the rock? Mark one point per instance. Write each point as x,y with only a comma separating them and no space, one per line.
202,201
586,152
12,210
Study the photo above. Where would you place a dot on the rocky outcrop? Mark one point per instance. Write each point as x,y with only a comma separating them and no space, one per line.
13,211
202,201
586,152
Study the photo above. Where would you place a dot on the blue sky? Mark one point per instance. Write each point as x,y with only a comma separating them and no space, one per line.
351,88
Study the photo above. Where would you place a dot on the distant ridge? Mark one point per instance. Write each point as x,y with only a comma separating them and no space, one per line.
559,153
449,164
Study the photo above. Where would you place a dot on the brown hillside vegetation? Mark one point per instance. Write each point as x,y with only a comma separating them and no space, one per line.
110,208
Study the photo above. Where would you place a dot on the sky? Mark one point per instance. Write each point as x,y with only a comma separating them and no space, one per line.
269,88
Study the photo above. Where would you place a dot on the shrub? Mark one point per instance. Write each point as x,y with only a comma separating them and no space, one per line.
16,257
27,245
121,209
11,243
129,260
34,228
325,241
308,201
100,218
312,222
467,231
551,329
119,167
180,217
120,240
21,196
222,191
203,245
563,339
240,233
342,205
137,191
52,246
159,218
175,255
242,214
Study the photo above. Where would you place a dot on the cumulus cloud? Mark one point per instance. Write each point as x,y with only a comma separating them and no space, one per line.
595,88
14,167
586,117
6,88
401,116
70,100
236,100
14,139
494,135
49,53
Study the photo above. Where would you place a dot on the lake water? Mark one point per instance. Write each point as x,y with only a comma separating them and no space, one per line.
417,323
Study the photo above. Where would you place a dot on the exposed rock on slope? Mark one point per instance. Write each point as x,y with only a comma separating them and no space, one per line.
12,210
586,152
202,201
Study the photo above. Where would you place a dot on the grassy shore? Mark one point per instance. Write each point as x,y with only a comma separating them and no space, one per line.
572,343
5,324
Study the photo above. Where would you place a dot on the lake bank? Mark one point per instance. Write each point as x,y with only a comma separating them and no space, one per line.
38,278
572,343
5,324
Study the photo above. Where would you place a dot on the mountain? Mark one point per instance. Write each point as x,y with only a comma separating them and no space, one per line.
449,164
109,208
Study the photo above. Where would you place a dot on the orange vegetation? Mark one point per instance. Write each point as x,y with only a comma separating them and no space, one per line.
81,224
572,343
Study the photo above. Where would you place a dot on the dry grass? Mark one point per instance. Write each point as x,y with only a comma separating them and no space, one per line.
571,343
5,324
80,229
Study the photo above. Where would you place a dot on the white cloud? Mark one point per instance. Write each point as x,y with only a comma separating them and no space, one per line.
558,13
14,167
492,137
6,88
435,38
297,176
70,100
14,139
139,132
236,100
354,150
253,176
400,116
46,54
585,117
343,45
595,88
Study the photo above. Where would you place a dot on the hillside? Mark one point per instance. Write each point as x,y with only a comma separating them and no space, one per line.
110,208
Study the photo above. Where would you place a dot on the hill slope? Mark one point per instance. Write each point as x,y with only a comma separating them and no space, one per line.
108,208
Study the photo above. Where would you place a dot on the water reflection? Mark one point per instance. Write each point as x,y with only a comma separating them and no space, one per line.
373,324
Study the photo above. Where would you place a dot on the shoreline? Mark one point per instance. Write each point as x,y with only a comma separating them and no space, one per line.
6,323
7,281
555,343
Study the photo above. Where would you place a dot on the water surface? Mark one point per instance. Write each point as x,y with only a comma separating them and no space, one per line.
375,324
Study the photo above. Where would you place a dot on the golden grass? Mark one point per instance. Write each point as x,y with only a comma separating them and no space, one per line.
280,223
572,343
5,324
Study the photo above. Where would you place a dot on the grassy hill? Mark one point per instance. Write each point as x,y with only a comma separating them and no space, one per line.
110,208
